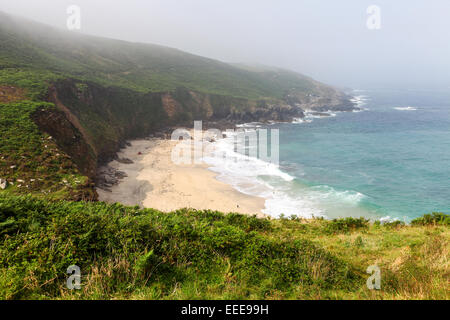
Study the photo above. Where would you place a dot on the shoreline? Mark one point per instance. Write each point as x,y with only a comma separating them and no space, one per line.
147,177
143,174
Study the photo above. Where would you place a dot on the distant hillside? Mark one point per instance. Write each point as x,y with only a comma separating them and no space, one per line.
103,92
141,67
68,102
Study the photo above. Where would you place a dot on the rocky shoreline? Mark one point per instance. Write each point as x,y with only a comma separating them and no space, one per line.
108,177
155,115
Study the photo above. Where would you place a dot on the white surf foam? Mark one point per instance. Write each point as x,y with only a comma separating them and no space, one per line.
331,195
405,108
360,100
387,219
301,120
249,125
283,195
310,115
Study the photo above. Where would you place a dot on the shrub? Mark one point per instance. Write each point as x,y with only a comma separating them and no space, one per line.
394,224
435,218
121,250
346,225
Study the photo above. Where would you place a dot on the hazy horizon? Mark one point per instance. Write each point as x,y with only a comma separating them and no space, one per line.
326,40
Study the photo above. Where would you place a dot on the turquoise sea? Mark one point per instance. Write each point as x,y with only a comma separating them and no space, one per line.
390,161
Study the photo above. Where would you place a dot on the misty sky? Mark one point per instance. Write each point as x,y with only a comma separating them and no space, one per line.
325,39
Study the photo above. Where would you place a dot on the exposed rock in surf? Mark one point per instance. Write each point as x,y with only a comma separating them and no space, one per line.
319,114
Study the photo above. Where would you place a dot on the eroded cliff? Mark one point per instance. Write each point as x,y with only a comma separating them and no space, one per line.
93,122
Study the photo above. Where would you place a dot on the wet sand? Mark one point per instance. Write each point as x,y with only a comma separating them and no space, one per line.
155,181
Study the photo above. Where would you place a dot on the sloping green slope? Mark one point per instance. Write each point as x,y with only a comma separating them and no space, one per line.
127,253
107,91
142,67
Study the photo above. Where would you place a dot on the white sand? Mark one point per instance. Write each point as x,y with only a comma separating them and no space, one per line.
154,181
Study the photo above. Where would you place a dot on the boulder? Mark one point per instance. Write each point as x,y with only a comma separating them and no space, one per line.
125,161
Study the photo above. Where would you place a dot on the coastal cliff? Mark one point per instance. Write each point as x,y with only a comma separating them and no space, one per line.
106,92
102,119
69,102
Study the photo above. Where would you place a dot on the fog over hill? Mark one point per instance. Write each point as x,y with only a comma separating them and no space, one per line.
107,91
327,40
72,103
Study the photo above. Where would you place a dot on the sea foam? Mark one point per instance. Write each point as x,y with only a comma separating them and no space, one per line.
282,192
405,108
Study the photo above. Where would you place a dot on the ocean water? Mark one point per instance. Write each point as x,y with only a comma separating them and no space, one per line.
390,161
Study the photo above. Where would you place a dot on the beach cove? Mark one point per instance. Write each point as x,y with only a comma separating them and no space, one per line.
150,179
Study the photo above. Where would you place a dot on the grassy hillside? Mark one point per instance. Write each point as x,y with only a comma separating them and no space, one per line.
36,48
69,101
31,161
107,91
125,252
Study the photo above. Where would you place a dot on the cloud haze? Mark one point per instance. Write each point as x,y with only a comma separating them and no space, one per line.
326,39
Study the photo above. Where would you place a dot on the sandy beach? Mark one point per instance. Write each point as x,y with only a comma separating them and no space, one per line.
155,181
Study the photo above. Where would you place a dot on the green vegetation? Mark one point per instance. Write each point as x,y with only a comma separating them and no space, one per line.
32,48
125,252
436,218
35,81
101,89
112,91
347,225
30,160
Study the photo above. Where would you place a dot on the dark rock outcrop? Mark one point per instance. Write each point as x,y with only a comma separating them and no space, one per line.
280,113
91,122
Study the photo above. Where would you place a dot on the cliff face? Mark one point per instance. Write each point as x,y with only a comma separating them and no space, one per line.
93,122
108,91
321,98
68,138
